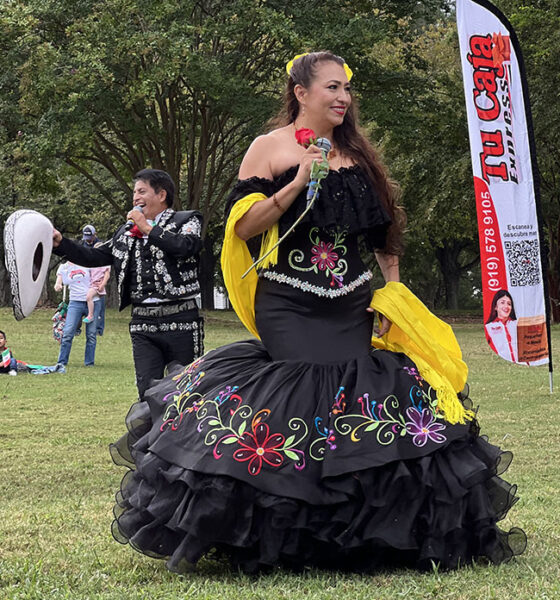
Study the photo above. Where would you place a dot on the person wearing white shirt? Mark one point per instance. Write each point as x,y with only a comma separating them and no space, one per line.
77,278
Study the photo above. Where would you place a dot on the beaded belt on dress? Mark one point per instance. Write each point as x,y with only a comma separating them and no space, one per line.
163,310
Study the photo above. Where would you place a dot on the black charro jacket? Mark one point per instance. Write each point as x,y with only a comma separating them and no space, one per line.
166,265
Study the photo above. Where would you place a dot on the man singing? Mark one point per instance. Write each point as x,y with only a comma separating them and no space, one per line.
155,257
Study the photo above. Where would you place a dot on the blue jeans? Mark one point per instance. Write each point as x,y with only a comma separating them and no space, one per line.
101,318
76,310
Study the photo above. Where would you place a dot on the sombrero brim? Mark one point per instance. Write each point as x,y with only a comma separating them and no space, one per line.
27,247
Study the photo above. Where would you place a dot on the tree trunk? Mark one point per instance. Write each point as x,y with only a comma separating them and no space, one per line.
553,264
112,299
207,270
5,292
451,271
554,293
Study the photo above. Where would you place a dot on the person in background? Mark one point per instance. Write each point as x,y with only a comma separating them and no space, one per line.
90,239
99,277
8,363
89,236
155,258
77,278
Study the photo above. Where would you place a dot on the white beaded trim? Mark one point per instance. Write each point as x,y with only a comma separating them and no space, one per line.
305,286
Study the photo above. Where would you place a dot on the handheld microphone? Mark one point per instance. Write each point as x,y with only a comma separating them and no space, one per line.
130,223
324,145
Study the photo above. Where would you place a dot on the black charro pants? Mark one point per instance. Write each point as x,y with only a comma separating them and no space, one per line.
158,341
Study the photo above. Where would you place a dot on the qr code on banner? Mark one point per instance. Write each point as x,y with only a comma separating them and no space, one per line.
523,258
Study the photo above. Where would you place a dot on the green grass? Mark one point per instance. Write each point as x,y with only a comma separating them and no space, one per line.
57,483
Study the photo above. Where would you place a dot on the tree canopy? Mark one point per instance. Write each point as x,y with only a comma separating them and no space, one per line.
92,91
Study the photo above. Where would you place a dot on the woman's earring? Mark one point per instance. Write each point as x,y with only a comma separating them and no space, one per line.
302,110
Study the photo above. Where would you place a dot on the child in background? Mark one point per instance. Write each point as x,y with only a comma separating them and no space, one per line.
98,280
8,363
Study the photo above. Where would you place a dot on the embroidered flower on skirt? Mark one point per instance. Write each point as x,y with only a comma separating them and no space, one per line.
260,446
422,427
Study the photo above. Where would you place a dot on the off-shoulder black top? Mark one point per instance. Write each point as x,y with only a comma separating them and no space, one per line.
321,255
346,198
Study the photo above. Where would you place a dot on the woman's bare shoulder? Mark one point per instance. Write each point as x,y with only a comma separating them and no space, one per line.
268,153
256,162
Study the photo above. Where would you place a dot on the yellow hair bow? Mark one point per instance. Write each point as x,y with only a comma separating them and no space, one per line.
290,64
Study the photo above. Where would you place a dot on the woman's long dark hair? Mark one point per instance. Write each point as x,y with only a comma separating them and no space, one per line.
349,140
494,311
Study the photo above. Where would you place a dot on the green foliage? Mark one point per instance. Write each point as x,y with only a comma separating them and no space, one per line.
125,84
426,144
180,85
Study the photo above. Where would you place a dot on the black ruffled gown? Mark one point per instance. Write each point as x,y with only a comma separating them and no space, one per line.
309,448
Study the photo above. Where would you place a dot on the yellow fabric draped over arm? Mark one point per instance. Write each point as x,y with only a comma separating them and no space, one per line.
236,259
427,341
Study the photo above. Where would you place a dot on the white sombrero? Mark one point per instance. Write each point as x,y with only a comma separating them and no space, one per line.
27,246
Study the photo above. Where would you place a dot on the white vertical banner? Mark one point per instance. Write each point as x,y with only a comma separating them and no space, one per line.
503,162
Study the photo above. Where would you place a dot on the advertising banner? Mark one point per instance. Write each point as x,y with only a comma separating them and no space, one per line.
503,162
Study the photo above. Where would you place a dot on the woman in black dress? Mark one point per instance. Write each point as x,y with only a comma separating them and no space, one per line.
310,446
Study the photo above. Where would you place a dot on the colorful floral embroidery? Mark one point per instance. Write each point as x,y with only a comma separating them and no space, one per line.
325,256
260,446
326,438
422,427
187,401
386,419
225,394
189,370
256,445
226,421
413,372
339,405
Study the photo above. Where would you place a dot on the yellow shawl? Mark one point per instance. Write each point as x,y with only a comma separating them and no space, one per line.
426,340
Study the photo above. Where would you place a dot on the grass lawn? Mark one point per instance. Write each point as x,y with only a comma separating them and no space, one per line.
57,483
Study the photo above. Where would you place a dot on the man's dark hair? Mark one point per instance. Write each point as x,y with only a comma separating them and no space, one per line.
2,333
158,180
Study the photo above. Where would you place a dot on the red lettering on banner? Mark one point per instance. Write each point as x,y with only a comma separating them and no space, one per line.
492,145
487,114
492,102
484,77
484,80
485,63
481,45
492,263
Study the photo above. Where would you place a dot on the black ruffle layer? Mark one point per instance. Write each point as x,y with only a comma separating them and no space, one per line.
441,506
346,196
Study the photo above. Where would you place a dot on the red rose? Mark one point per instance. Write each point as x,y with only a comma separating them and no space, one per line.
305,137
